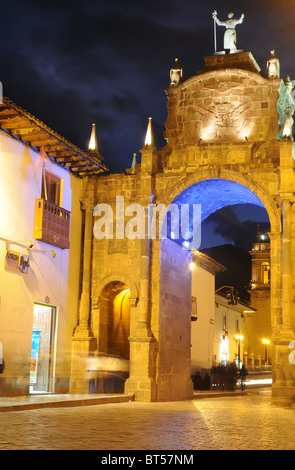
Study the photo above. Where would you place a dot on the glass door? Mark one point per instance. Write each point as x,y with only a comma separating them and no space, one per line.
43,348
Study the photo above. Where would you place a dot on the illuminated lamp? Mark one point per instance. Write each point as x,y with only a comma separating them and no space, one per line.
149,139
287,126
192,266
239,337
93,139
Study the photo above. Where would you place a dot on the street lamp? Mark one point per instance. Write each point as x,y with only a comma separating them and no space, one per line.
265,341
239,338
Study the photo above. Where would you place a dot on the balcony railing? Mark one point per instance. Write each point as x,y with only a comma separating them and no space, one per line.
52,224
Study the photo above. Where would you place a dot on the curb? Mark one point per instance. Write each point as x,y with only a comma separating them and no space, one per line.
67,403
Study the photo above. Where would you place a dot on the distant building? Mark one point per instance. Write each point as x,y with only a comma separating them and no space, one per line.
203,311
258,324
229,329
217,318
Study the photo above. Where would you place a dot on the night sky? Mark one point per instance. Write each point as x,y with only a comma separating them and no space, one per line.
74,63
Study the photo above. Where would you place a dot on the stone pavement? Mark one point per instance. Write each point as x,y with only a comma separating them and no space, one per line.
245,421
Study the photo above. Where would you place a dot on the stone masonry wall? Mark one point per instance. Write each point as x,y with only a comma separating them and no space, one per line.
174,323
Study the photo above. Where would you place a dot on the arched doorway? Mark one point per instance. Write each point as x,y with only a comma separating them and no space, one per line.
213,191
115,316
110,364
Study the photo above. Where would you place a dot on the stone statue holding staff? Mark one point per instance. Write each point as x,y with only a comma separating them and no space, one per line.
230,36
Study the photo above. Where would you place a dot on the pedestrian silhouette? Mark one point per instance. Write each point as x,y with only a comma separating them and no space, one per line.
243,375
207,382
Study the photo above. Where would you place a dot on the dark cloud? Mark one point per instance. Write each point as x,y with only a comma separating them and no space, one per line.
229,224
73,63
127,102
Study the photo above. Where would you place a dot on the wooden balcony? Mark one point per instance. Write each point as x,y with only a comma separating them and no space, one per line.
52,224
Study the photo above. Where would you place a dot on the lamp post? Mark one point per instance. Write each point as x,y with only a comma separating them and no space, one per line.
239,338
265,341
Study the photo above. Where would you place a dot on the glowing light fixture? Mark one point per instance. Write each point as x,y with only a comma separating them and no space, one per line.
287,126
239,337
192,266
93,139
149,139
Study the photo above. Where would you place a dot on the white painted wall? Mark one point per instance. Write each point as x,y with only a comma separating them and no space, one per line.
233,315
56,278
174,323
203,288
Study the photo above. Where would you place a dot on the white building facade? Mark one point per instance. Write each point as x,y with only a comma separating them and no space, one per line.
40,255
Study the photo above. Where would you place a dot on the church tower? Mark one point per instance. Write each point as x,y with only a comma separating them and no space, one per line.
258,324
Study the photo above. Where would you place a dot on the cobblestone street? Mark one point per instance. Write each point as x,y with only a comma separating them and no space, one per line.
230,423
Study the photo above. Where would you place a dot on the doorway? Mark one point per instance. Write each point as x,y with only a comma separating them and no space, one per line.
110,366
43,348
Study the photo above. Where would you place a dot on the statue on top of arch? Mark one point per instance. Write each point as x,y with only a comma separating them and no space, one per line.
230,35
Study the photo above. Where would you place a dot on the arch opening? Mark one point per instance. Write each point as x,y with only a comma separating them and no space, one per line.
196,204
115,313
111,362
215,196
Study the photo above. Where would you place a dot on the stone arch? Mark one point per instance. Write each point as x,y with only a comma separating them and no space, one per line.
118,277
105,308
115,320
269,202
230,175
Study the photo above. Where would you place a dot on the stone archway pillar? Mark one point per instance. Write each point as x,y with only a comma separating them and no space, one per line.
287,264
143,327
141,381
283,389
83,342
